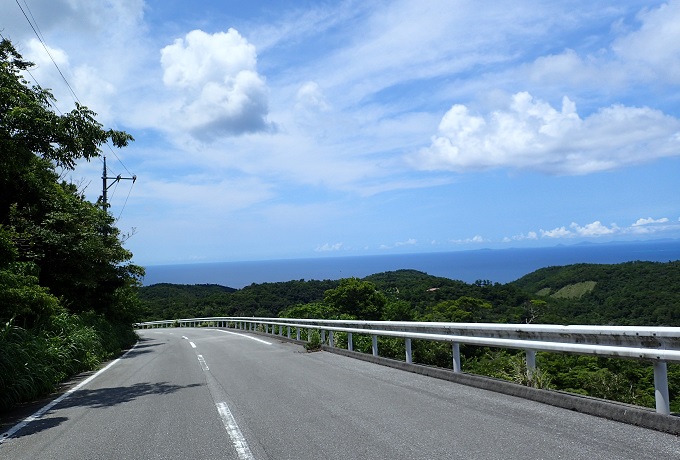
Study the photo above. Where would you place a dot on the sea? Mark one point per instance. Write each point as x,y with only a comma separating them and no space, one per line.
495,265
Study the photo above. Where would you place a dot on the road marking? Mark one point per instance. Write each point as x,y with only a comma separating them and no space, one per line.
8,434
237,438
185,337
204,365
243,335
193,345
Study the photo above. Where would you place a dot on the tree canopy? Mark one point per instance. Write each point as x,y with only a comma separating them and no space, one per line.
55,246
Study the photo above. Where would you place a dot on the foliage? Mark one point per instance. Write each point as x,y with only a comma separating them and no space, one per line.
67,285
314,342
161,301
34,361
357,298
462,309
632,293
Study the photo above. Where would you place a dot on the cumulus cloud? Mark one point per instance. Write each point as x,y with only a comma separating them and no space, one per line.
649,220
328,247
474,239
533,135
408,242
594,229
521,237
216,77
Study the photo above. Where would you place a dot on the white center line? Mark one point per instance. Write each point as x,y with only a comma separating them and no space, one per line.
204,365
193,345
237,438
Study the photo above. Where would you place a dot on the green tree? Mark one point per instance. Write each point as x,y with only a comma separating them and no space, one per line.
463,309
21,297
68,243
357,298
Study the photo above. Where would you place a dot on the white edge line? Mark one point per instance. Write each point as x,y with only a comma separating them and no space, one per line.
243,335
237,438
8,434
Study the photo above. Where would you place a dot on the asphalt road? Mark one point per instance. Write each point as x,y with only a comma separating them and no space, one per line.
211,394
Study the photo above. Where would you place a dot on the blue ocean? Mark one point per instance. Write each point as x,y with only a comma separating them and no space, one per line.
496,265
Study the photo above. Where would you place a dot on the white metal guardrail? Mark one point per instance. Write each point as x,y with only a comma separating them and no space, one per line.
658,345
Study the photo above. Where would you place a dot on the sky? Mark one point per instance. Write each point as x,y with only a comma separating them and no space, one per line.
299,129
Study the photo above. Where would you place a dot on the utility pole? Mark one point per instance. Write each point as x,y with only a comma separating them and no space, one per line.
106,187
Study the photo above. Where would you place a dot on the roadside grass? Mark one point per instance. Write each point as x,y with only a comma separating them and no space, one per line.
33,362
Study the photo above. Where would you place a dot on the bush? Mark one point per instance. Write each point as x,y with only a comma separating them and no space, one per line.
314,343
33,362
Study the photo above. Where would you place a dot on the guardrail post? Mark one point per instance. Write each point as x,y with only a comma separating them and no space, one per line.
455,353
409,353
297,332
375,345
289,332
350,343
531,361
330,338
323,336
661,388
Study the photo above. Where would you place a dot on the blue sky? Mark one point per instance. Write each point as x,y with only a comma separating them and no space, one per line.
294,129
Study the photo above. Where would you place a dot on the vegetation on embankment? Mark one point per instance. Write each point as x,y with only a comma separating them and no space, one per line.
635,293
67,286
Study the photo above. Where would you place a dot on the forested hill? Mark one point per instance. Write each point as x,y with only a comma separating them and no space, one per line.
636,293
633,293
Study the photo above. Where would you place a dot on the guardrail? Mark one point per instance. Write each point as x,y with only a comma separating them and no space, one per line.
658,345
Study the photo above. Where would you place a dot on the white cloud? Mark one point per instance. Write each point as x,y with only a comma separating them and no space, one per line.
533,135
656,45
215,78
649,221
408,242
560,232
328,247
594,229
310,97
474,239
521,237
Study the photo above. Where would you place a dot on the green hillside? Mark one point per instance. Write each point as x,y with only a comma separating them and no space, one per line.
633,293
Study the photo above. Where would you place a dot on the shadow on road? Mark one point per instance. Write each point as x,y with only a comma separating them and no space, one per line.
107,397
100,398
143,346
42,424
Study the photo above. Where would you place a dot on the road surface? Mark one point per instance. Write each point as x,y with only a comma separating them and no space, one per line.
196,393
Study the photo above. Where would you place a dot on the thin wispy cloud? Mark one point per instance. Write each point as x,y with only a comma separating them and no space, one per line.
276,130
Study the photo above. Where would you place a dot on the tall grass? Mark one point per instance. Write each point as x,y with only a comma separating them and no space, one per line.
33,362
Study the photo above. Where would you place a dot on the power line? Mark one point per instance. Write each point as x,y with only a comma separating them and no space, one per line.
38,33
42,42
